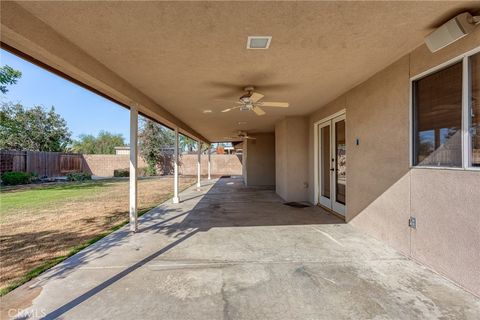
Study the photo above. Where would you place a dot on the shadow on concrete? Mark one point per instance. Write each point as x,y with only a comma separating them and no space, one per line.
87,295
228,203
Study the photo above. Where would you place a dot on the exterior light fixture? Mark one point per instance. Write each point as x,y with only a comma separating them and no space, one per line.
451,31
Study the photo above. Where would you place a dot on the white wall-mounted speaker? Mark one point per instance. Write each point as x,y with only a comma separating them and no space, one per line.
450,31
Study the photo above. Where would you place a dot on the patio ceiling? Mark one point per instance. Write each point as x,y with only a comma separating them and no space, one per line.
185,56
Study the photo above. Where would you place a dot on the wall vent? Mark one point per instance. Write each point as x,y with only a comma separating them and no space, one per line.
259,42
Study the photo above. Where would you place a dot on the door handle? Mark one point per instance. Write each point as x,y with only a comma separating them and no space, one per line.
332,169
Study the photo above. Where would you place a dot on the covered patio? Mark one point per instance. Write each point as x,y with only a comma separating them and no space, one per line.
228,251
360,119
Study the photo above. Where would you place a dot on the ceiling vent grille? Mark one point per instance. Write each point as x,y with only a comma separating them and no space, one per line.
259,42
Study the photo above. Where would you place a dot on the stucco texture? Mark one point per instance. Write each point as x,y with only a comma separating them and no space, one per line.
260,160
291,141
383,191
176,58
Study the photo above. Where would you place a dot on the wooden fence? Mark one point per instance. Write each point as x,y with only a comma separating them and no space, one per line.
49,164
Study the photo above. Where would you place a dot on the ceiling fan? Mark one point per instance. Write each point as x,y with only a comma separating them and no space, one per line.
241,135
250,101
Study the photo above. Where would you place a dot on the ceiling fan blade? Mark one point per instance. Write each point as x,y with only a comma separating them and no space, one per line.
256,96
258,111
275,104
229,109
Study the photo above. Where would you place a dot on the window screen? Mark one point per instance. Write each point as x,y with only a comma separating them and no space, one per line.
438,118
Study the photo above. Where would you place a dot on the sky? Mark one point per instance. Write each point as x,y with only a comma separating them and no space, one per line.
84,111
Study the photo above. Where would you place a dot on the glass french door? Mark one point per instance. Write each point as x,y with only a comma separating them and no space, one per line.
333,164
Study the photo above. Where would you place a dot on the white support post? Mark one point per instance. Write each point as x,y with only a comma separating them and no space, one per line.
209,152
133,168
199,167
175,170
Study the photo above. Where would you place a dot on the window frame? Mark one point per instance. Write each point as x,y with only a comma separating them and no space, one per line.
465,142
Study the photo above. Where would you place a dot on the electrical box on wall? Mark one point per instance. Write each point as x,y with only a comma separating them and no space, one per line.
412,223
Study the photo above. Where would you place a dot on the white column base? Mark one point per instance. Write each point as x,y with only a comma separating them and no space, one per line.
133,198
199,165
175,169
209,162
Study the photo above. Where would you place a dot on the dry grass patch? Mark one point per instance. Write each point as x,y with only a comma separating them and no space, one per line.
41,225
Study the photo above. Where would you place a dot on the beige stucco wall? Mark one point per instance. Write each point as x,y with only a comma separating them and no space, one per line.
259,163
281,187
291,143
383,191
244,162
378,186
446,204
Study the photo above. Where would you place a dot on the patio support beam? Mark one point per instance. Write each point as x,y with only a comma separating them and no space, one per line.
209,152
175,169
133,168
199,161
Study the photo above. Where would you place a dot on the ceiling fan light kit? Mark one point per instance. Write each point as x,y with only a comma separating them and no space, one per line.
250,101
241,135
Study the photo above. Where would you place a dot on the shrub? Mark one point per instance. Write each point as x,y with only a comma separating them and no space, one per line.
79,176
152,168
121,173
15,177
142,172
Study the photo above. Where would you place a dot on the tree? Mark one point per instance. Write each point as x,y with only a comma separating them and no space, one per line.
8,76
187,144
156,145
34,129
104,143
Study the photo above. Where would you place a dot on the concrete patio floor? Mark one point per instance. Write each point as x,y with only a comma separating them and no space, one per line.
231,252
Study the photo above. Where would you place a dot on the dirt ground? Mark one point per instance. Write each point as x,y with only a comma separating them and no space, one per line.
41,223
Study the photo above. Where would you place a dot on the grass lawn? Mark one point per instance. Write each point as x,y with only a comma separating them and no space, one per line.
41,225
